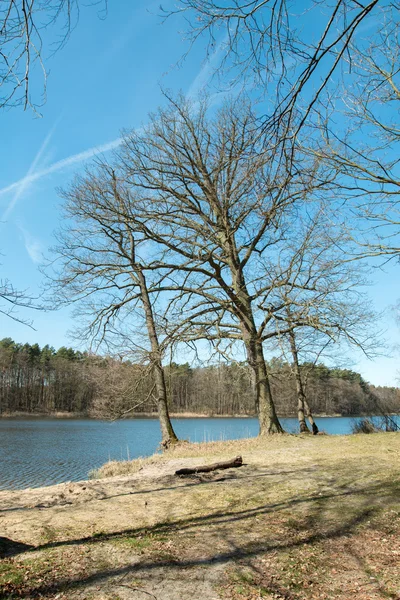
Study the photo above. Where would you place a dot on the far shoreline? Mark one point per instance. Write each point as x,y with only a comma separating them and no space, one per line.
20,416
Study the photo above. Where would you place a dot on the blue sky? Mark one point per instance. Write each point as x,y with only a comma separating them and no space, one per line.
106,78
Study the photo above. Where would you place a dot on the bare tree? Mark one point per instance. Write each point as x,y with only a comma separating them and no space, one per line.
303,408
100,264
216,206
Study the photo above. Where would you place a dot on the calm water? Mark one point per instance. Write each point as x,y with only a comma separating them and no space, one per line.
35,452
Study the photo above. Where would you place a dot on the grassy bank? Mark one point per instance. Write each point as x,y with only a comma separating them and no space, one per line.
305,518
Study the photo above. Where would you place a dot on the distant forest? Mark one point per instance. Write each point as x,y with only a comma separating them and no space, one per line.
46,381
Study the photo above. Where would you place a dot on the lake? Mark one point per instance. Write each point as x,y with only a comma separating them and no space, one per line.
38,452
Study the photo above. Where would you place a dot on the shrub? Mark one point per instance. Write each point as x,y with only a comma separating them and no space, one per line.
364,425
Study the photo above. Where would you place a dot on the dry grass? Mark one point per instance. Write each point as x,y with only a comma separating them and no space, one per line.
291,449
115,468
306,518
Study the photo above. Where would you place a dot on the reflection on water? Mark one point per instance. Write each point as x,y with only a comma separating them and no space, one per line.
37,452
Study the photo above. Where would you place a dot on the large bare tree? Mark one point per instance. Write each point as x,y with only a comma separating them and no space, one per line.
217,207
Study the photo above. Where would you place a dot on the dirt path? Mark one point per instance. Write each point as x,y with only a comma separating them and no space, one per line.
303,518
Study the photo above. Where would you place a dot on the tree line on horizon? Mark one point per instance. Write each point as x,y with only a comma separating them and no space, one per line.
48,381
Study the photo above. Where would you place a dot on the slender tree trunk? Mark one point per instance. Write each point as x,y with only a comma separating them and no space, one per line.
314,426
168,435
301,398
303,408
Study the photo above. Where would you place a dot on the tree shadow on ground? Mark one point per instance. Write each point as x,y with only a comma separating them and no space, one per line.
389,492
352,507
10,547
246,551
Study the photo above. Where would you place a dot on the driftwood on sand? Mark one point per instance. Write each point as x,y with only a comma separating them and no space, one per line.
235,462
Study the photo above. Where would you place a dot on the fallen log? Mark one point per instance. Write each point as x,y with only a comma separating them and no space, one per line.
235,462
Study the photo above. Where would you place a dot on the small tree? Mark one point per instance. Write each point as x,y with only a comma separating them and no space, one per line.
321,298
101,265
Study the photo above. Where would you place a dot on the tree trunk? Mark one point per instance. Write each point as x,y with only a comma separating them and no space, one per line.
303,408
301,398
267,417
314,426
168,435
268,420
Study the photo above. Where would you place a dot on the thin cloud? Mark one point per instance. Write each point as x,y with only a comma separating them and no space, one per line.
33,246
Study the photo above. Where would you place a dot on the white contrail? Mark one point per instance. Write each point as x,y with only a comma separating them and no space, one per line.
199,83
60,164
207,71
21,185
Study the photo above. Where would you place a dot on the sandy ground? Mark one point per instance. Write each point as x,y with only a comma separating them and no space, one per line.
303,518
36,518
